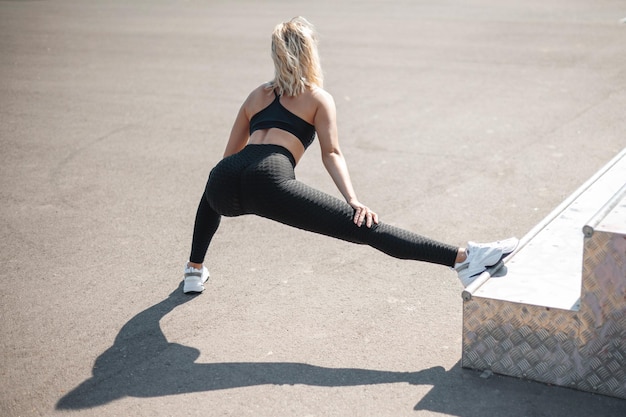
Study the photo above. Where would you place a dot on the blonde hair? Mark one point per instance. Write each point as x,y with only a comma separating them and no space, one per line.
296,61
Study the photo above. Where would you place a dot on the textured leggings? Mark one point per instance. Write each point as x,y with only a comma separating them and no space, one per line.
260,180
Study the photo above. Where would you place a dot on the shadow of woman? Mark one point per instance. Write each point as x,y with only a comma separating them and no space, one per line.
142,363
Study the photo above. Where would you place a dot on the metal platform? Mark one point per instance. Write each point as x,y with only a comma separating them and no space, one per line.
555,310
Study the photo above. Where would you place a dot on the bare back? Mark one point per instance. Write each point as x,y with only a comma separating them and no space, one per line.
304,106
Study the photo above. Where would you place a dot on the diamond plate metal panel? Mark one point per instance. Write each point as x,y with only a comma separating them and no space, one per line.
603,313
583,349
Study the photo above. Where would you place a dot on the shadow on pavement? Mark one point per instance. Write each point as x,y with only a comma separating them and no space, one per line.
142,363
464,393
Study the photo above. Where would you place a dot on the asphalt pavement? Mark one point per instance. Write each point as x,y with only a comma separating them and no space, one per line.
460,120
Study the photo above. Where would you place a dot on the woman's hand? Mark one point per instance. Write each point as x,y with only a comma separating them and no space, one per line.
362,214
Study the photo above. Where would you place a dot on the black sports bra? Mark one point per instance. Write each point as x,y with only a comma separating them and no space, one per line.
276,115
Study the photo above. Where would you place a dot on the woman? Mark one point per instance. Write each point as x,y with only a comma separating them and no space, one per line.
274,126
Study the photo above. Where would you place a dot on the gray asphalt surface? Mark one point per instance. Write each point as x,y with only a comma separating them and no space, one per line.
460,120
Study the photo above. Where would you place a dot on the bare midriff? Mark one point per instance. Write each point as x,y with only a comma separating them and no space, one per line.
278,137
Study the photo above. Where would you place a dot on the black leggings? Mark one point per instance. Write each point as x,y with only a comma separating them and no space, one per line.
260,180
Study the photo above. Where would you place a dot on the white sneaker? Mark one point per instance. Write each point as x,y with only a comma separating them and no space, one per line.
480,256
194,279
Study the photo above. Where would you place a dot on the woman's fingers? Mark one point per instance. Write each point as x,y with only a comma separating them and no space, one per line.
359,216
374,219
365,215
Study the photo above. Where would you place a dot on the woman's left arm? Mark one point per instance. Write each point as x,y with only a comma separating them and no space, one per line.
333,159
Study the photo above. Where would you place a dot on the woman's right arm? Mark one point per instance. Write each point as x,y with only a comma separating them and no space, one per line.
239,134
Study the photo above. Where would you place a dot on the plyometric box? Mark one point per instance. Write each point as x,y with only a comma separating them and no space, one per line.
555,310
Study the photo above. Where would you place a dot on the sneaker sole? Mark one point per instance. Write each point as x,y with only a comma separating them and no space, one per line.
193,290
513,244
